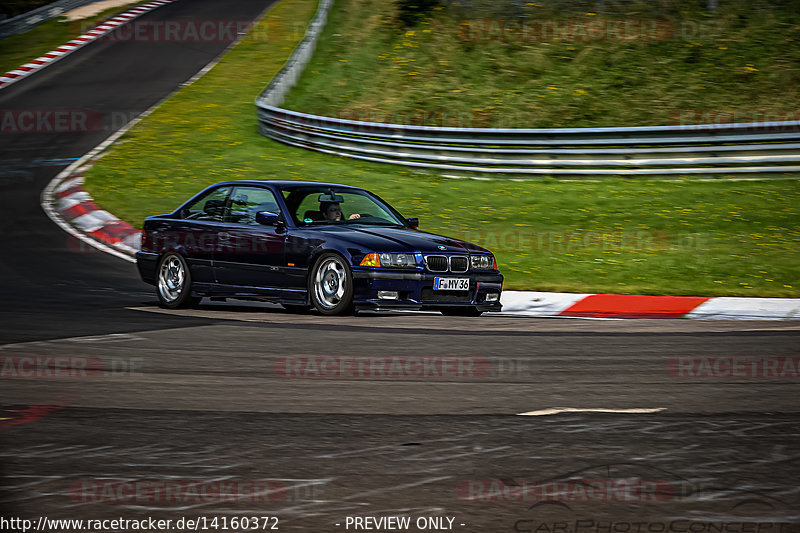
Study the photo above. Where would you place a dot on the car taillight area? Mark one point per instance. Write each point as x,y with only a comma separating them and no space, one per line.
147,241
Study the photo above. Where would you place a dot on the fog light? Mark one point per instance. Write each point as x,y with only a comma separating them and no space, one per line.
387,295
492,297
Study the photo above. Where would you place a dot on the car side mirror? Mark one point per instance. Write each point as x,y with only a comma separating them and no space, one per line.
414,221
267,218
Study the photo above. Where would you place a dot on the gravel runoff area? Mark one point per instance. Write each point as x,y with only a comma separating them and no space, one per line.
93,9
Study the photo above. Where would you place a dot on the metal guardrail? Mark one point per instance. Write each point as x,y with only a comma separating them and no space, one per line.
754,148
34,17
276,91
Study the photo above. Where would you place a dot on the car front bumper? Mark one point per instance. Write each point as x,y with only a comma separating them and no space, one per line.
415,290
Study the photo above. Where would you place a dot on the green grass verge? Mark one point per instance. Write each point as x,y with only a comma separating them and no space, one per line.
638,63
646,237
19,49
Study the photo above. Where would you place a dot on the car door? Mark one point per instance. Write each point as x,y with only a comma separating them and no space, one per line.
195,233
250,255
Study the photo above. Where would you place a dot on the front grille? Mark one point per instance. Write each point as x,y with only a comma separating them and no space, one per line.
458,264
442,263
436,263
430,295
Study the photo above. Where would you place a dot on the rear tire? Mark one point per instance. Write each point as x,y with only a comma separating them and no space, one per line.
174,283
330,285
461,311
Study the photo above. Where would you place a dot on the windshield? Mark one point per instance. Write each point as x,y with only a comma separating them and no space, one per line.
312,205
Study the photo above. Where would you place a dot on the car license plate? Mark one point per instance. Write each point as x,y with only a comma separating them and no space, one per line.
451,284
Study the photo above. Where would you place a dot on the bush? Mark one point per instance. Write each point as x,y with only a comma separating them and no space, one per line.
410,12
12,8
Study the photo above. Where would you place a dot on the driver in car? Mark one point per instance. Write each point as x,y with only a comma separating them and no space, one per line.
332,211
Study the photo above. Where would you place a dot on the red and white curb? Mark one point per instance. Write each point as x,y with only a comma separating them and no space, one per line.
555,304
99,31
86,220
78,210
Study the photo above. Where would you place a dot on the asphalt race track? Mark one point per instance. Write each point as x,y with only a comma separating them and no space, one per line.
245,411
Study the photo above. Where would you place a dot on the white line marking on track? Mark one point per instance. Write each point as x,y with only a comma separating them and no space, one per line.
111,337
558,410
92,339
396,487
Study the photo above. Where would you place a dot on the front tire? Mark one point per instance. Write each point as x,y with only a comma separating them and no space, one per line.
330,285
174,283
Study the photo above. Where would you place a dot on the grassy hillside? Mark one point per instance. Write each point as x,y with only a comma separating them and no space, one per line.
553,64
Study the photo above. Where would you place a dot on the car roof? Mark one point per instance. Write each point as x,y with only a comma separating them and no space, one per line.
284,183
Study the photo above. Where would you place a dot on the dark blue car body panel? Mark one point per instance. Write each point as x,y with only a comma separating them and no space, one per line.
273,262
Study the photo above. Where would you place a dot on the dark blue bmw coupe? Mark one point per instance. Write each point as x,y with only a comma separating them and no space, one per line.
332,247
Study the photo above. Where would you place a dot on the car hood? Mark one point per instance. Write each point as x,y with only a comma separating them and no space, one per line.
391,239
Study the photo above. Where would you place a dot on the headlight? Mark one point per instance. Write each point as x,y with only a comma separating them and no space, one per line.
482,262
391,260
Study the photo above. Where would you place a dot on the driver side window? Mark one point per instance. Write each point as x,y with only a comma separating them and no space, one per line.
247,201
211,207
